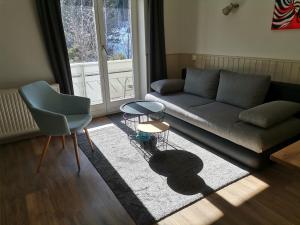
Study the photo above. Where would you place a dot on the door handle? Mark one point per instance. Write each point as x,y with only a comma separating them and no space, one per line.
104,48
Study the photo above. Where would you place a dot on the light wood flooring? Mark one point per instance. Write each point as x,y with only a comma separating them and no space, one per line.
58,196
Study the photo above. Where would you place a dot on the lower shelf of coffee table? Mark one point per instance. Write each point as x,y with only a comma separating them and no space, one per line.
153,127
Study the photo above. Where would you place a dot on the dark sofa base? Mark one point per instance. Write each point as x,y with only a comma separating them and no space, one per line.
243,155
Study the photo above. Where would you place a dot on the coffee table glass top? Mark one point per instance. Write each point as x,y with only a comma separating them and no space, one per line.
142,107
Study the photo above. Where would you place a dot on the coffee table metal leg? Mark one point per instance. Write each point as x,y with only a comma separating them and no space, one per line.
167,139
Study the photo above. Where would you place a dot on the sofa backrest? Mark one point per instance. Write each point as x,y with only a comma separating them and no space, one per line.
277,90
283,91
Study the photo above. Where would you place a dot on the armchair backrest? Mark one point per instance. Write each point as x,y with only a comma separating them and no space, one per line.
41,96
45,105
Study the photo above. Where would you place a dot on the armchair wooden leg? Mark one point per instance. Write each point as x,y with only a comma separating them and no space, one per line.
89,139
43,154
76,149
63,141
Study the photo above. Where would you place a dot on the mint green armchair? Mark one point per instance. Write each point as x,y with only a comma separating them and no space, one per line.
57,114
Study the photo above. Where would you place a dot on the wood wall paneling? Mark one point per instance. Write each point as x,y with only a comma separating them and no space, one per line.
279,70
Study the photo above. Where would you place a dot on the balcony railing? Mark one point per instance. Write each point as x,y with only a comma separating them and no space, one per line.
86,80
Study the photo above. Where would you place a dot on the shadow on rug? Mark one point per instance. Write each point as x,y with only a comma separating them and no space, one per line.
152,183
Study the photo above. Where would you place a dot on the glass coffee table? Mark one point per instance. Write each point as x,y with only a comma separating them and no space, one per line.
142,108
137,116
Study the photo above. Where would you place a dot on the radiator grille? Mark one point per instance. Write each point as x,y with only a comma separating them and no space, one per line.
15,118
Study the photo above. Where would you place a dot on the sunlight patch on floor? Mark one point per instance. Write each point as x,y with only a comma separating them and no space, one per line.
100,127
205,212
243,190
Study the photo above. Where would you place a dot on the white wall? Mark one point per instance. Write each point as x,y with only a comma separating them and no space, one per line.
180,25
172,27
203,29
22,54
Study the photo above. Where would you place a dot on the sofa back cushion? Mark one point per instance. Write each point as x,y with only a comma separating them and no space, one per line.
242,90
201,82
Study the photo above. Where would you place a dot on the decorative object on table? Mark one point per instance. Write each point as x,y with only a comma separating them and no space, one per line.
57,114
151,188
286,15
227,10
143,136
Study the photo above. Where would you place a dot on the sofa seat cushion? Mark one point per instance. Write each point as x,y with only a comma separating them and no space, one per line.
178,104
223,120
215,117
261,139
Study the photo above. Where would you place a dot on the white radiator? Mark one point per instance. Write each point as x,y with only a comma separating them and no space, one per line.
15,118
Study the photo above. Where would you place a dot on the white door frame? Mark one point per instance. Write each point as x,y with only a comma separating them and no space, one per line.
108,107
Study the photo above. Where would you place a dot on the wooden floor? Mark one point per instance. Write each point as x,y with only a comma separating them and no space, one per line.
59,196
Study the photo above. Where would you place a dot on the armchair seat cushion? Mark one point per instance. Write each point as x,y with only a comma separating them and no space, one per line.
78,122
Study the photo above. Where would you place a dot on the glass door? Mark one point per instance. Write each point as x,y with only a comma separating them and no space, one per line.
80,27
118,45
99,36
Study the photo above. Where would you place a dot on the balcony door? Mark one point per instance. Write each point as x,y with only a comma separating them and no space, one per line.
100,36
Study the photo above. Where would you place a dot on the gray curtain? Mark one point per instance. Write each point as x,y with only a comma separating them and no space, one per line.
54,38
157,67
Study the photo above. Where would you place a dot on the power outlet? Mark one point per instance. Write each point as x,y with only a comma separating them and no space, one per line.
194,57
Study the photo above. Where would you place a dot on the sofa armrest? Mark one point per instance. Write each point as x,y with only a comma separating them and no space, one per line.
168,86
269,114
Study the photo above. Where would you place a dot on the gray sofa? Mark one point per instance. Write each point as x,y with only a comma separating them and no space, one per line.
236,114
